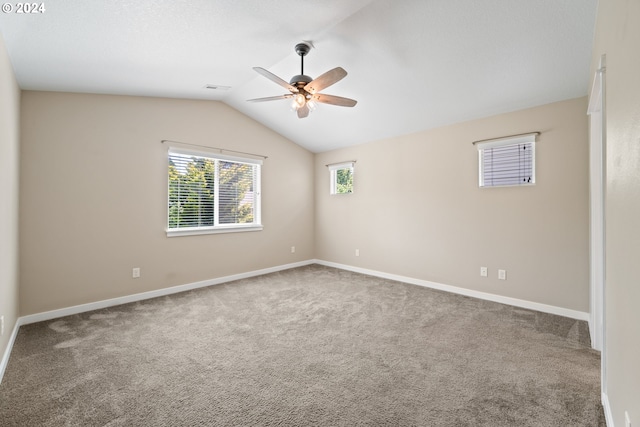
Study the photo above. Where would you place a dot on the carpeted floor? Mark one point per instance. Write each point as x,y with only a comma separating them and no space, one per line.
312,346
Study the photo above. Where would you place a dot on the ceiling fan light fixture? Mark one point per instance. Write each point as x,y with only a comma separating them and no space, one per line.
299,100
311,105
304,90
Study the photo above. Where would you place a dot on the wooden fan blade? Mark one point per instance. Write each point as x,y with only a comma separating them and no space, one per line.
334,100
276,79
303,111
325,80
271,98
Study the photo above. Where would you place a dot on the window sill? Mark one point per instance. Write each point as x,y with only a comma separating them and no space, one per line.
194,231
529,184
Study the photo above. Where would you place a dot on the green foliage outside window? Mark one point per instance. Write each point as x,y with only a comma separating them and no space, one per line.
192,192
235,183
344,181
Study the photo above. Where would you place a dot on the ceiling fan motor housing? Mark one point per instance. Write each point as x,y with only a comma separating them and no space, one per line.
302,48
300,78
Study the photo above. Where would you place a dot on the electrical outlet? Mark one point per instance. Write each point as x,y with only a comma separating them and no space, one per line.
357,252
1,326
627,419
293,249
484,272
502,274
136,273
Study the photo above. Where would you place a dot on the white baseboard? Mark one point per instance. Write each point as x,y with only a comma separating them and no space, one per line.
560,311
7,352
608,416
54,314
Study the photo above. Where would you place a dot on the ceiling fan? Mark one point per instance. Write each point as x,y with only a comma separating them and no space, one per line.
305,90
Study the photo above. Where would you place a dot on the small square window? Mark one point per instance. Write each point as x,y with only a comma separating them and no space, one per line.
341,175
507,161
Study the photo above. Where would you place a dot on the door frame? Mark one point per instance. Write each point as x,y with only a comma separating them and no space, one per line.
597,229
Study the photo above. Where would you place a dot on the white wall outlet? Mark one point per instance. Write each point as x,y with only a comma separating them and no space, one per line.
1,326
484,272
502,274
627,419
357,252
293,249
135,273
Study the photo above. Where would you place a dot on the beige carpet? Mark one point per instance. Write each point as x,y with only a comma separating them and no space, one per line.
312,346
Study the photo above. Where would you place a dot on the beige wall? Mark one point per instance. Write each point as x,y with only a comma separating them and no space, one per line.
618,36
417,210
93,197
9,148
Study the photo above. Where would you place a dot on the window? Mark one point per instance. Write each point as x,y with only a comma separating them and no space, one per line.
341,175
507,161
212,193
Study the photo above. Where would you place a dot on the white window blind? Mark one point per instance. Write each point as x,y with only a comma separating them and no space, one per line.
507,161
341,175
210,193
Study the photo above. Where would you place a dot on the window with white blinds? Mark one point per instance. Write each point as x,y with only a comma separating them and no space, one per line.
212,193
507,161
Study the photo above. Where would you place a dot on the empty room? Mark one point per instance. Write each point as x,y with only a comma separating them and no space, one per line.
320,213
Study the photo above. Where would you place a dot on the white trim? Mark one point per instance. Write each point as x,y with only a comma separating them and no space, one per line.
333,176
193,231
54,314
345,165
595,101
608,415
596,213
76,309
596,230
560,311
213,155
597,226
7,352
255,225
508,140
504,142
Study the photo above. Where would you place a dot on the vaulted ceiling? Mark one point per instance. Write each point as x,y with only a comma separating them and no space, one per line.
412,64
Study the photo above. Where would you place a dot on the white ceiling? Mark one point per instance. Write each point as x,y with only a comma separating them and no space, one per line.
412,64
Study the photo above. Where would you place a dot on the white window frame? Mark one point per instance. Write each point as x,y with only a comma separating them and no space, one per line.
256,225
333,176
517,140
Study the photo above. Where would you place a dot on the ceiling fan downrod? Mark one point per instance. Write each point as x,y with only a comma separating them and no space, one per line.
302,49
299,81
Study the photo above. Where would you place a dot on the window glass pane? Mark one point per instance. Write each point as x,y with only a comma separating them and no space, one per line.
236,193
208,192
509,164
344,181
191,197
341,176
